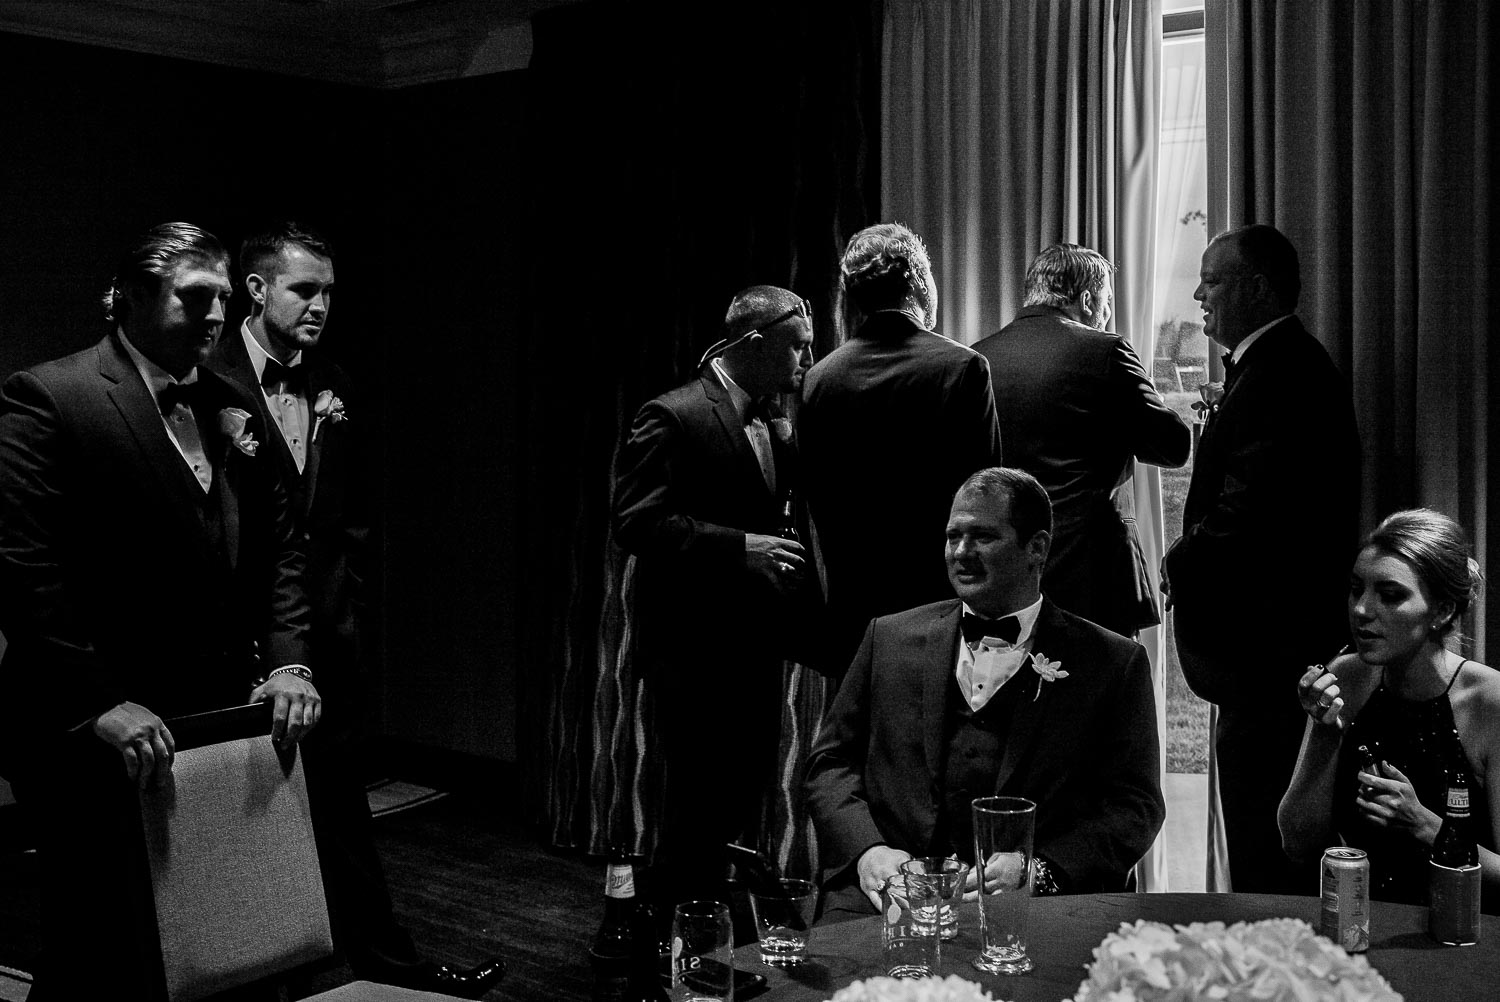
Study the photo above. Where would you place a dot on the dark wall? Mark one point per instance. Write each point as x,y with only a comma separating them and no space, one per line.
418,189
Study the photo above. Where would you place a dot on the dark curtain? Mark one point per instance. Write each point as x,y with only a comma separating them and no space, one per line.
1364,132
680,154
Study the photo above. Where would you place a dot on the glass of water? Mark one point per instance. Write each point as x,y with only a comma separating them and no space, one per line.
948,874
1004,832
783,921
911,946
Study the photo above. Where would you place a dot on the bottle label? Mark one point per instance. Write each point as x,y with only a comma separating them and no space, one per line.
1458,801
619,881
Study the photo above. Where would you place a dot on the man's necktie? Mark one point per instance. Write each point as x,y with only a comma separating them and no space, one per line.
287,378
179,393
976,628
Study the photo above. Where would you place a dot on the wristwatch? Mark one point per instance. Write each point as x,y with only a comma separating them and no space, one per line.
1043,881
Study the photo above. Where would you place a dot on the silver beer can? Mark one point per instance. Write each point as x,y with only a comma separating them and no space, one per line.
1346,898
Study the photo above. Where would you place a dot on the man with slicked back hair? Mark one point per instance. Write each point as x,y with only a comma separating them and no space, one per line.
891,423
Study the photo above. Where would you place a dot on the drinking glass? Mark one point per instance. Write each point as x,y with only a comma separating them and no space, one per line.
911,948
702,953
1004,832
948,874
783,921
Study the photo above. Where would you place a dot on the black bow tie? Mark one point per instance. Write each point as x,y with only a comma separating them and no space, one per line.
976,628
766,408
292,378
1229,364
179,393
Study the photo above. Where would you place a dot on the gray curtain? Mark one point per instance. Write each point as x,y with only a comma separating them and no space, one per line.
1007,127
1363,131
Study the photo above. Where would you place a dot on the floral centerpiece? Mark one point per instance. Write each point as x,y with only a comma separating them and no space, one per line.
950,989
1276,960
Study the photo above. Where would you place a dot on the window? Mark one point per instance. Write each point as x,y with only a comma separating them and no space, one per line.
1181,362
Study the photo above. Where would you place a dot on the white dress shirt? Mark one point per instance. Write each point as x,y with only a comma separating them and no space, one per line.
987,664
755,428
290,411
1244,346
182,427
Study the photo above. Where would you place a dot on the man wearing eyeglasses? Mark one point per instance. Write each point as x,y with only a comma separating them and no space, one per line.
703,484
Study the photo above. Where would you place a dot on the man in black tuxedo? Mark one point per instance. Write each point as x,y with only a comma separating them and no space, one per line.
148,569
1076,411
701,483
303,399
952,701
890,424
1269,531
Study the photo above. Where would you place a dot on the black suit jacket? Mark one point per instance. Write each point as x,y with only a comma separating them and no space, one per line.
328,508
112,587
1269,530
1085,749
1076,409
687,489
891,425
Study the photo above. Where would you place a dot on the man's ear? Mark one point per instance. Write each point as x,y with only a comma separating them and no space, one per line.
1039,545
256,284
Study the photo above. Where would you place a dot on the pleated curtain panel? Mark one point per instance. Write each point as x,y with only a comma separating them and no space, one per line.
1007,127
1364,132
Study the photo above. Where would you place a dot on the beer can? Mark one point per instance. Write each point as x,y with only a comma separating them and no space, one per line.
1453,914
1346,898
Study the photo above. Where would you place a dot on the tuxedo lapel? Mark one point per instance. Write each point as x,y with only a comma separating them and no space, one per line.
1034,701
141,417
938,656
733,429
232,360
317,382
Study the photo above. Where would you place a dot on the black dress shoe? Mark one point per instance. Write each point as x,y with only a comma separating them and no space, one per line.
447,980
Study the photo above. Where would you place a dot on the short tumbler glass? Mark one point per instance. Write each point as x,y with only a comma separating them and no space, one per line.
783,921
948,875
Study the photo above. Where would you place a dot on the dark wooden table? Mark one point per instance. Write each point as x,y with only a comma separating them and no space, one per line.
1065,930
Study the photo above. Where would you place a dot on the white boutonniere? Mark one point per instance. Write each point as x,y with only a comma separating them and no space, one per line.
1210,396
327,408
232,422
1049,670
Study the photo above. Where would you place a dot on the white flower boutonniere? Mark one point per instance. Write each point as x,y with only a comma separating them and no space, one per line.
232,423
782,428
1050,671
1210,396
327,409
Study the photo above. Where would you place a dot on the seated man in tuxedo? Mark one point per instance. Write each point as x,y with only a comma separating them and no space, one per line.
948,702
148,570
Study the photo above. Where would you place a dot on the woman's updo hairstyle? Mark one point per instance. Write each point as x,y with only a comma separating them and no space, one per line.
883,267
1437,548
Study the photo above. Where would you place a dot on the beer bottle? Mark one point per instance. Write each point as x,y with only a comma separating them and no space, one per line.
623,952
787,528
1453,873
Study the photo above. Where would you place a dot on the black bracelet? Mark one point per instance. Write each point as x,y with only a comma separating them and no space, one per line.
1043,881
301,671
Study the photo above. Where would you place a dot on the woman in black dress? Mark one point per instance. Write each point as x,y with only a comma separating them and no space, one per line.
1390,722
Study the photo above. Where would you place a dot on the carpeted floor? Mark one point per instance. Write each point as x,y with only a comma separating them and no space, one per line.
468,880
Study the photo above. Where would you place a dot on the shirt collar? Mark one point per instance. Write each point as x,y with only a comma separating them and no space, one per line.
1244,346
258,355
154,376
1027,617
737,395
